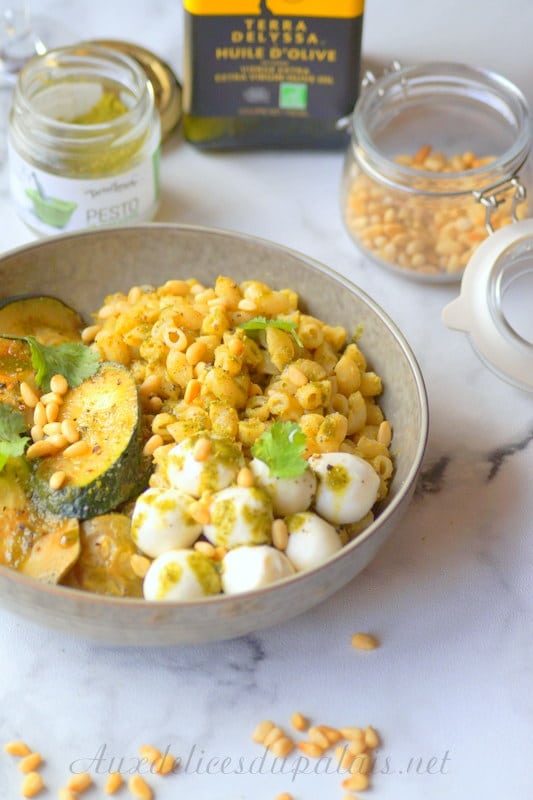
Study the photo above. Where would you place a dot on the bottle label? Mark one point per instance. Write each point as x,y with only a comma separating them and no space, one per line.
274,58
52,204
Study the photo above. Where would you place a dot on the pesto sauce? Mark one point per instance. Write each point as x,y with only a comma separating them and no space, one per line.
107,108
337,478
169,576
205,572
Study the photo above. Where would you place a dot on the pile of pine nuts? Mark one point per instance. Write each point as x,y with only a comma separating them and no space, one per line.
49,436
417,233
353,747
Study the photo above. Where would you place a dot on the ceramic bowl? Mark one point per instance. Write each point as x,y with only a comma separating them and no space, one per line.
81,269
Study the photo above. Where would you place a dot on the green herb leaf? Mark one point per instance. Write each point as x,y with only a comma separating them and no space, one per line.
12,425
258,324
73,360
281,447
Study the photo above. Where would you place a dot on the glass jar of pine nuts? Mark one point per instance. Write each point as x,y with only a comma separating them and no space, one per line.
438,159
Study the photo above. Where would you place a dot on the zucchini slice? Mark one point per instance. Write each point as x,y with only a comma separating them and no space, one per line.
49,319
35,543
15,367
107,413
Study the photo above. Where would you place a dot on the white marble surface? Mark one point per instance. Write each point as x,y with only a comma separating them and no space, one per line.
450,595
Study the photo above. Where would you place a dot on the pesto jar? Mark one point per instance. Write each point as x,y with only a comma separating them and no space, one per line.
439,158
84,141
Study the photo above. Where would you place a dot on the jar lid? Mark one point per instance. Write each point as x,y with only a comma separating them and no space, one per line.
496,301
167,88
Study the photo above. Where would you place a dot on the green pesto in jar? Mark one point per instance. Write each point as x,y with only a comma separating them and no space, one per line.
107,108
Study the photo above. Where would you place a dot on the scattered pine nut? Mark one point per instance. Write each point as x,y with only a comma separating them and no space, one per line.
364,641
193,389
80,782
371,738
262,730
77,449
150,385
66,794
282,747
361,764
199,513
58,384
356,746
139,788
332,734
272,736
17,748
69,430
299,722
30,763
39,415
51,397
58,441
140,564
165,764
37,433
152,444
318,736
150,753
356,783
113,783
245,478
32,785
52,428
280,534
202,450
344,757
310,749
296,376
29,397
41,449
284,796
88,334
57,479
351,733
206,548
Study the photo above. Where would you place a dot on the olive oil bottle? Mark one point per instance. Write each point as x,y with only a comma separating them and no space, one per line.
270,73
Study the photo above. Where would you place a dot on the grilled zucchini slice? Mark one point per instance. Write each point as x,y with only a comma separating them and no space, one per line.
48,319
107,412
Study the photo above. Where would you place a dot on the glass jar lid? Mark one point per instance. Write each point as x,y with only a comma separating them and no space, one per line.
496,302
453,107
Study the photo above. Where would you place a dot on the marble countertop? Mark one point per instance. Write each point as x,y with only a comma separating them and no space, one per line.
449,595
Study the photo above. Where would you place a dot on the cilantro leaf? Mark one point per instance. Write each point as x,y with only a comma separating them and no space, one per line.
73,360
12,424
281,447
258,324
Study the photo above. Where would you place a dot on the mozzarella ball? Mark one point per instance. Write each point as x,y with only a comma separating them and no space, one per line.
247,568
312,540
288,495
161,521
347,487
181,575
240,516
184,471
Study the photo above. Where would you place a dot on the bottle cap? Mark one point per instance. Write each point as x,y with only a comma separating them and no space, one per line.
167,88
495,306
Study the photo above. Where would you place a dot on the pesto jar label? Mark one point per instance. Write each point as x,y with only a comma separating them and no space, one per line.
50,204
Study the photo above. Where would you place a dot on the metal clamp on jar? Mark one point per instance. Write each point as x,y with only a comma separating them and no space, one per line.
438,159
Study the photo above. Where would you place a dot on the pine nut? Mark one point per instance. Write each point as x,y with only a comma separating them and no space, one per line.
39,415
371,738
356,783
195,353
69,430
199,513
150,385
51,397
284,796
37,433
333,735
17,748
272,736
165,764
364,641
52,411
51,428
310,749
202,450
152,444
57,480
41,449
351,733
66,794
282,747
384,433
58,441
140,565
80,783
58,384
30,762
344,757
139,788
245,478
154,404
236,347
280,534
318,737
299,722
361,764
262,730
32,784
150,753
246,305
356,746
77,449
206,548
296,376
113,783
88,334
29,397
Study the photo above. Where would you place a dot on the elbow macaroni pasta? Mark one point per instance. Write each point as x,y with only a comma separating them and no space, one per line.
198,370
